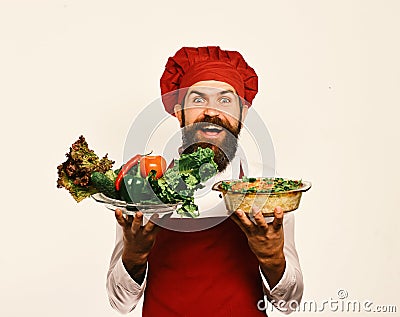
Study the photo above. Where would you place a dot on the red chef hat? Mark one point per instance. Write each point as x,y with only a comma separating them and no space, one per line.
193,64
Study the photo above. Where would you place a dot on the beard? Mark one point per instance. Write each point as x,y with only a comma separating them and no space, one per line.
224,149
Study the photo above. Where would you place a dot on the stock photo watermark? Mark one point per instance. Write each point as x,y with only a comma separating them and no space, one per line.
341,304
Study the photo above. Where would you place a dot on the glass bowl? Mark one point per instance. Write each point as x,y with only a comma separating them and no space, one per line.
264,201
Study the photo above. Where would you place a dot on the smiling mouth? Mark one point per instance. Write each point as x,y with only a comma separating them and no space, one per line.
211,130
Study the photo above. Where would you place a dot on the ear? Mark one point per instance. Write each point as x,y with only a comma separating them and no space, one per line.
178,113
245,109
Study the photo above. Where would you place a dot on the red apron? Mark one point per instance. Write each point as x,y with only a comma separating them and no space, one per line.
205,273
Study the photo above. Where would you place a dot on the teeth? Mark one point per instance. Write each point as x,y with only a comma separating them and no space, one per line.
213,127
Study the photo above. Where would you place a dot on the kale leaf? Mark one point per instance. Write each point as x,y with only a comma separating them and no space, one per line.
179,183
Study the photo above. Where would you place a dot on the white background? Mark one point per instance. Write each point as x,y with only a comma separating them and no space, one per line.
329,74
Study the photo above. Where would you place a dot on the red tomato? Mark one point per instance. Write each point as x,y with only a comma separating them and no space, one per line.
149,163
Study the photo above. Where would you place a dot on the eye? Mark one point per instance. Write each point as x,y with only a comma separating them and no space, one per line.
198,99
225,100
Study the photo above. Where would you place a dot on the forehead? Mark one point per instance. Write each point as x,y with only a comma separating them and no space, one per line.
211,87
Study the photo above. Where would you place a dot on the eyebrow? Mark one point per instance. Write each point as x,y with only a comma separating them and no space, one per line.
201,94
228,91
196,92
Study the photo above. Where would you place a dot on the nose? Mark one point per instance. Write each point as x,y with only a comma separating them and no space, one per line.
211,111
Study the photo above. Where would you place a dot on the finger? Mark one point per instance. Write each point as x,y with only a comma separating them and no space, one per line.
119,217
245,221
137,222
260,221
278,218
151,226
236,219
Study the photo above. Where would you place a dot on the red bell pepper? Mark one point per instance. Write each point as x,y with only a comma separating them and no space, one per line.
125,169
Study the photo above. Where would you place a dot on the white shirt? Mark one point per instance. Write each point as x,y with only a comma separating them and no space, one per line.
124,293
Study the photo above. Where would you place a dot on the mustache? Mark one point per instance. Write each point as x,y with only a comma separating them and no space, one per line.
199,123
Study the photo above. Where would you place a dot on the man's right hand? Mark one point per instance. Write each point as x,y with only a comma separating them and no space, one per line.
138,242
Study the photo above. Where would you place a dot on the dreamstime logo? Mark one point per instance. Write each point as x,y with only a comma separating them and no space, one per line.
342,294
340,304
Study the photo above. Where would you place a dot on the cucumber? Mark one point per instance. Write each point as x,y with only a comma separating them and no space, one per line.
104,185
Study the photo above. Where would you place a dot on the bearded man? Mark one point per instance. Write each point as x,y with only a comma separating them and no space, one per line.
217,268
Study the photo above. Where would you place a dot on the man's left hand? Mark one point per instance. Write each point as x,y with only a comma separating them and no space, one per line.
266,241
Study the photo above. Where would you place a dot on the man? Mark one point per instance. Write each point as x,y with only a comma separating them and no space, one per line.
224,269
